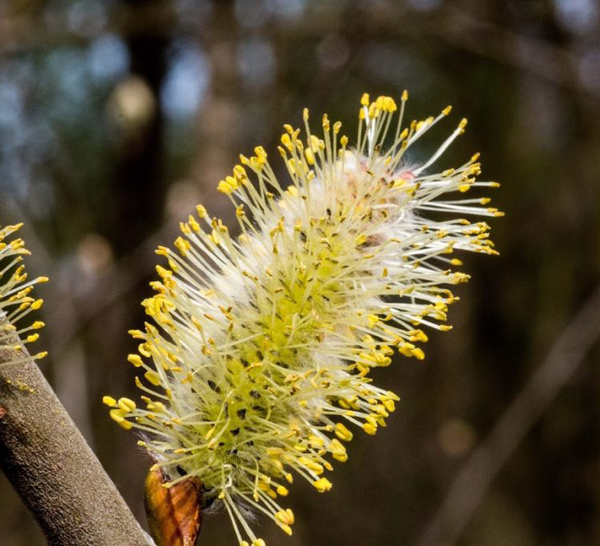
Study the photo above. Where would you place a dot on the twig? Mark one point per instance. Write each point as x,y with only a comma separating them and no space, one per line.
474,480
52,468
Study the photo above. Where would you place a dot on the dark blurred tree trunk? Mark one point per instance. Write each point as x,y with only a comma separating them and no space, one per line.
137,190
219,117
138,183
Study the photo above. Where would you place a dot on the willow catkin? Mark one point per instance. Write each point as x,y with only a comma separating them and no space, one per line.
256,367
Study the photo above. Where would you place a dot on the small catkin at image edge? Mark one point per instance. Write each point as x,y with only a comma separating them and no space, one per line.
257,365
16,301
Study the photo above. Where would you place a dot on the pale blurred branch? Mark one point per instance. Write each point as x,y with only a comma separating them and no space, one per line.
475,478
448,26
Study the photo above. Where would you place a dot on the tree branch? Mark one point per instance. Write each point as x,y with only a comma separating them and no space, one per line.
473,481
52,468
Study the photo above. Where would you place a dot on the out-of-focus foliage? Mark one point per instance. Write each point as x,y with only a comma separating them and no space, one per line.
118,116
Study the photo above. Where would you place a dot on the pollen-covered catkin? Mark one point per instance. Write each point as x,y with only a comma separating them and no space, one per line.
15,298
256,367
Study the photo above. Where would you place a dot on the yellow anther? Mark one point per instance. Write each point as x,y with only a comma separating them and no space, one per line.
287,142
290,515
390,104
153,377
383,361
316,144
163,273
310,156
389,405
118,417
460,277
157,406
338,450
126,404
370,428
274,451
183,245
109,401
240,172
214,237
417,353
261,155
291,164
343,433
322,485
195,226
311,465
224,187
381,411
37,304
372,419
281,490
143,348
284,517
373,320
360,239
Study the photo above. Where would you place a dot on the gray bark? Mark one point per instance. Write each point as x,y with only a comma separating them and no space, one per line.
52,468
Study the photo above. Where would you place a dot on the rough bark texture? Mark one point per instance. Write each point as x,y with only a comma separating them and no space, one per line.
52,468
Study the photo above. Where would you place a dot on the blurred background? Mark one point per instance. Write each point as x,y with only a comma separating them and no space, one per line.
118,116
